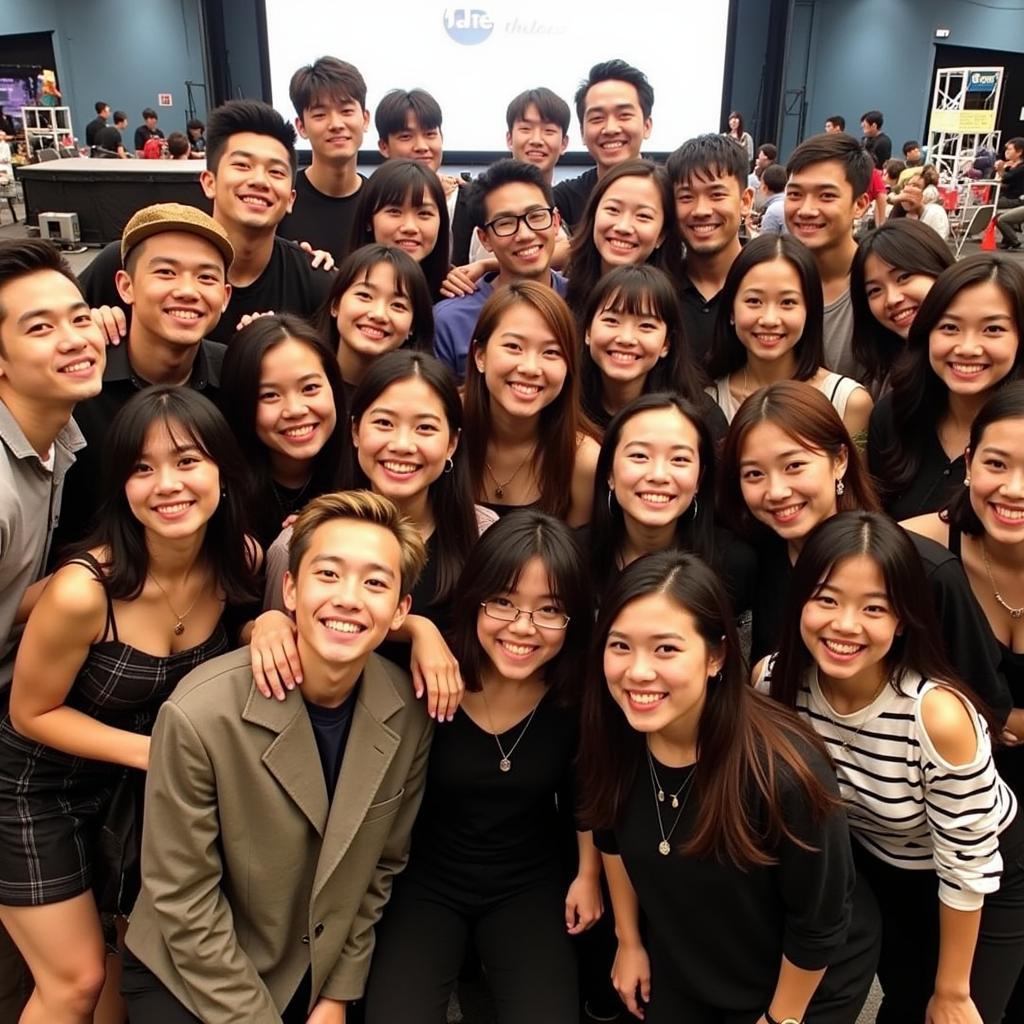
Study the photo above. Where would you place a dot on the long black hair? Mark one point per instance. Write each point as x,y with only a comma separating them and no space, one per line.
450,495
190,418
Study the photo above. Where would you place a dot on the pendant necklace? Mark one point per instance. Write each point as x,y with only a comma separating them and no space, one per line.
665,846
845,744
505,764
1015,613
499,487
179,625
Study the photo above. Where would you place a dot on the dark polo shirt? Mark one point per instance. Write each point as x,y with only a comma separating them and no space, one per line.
699,315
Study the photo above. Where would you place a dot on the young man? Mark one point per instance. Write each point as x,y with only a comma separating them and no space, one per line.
329,97
250,165
98,122
709,177
51,358
110,139
1011,195
835,123
513,209
829,177
767,153
772,188
274,830
178,147
147,130
876,142
613,105
174,281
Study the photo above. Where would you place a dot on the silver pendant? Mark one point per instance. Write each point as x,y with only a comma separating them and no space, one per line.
663,848
179,628
675,801
661,796
505,764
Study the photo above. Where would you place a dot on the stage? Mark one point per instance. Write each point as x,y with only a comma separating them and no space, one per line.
105,193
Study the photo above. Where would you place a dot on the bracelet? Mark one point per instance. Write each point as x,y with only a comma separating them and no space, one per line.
785,1020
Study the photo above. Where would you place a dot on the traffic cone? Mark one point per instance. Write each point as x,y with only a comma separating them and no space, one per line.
988,239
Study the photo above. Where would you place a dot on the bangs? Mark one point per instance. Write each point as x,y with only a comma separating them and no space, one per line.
183,436
634,299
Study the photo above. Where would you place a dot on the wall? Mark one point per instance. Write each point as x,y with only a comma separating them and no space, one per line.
121,51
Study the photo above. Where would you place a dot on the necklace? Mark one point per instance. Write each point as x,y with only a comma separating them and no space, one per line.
505,764
179,625
499,488
665,846
1015,613
286,503
845,744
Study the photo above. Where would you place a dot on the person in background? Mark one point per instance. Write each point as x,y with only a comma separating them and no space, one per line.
767,153
876,142
1011,195
147,130
736,131
110,139
196,137
835,123
98,122
772,189
178,147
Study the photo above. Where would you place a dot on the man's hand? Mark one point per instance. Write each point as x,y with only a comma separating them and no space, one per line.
462,280
321,257
112,322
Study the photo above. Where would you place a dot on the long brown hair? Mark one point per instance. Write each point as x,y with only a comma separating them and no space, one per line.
560,422
748,747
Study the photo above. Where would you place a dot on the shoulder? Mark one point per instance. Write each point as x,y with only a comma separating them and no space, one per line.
949,724
935,555
587,451
75,599
219,684
931,526
860,400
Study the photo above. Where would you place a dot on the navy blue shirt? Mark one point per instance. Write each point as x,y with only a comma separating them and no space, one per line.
331,727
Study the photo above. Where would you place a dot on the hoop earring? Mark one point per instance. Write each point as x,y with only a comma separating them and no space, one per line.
840,488
449,466
694,505
610,492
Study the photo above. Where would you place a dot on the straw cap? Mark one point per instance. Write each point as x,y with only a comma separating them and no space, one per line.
154,220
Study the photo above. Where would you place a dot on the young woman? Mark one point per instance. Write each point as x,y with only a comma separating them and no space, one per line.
654,489
769,328
130,613
487,850
524,433
860,660
403,204
378,301
282,394
630,219
717,815
963,344
894,269
634,343
737,132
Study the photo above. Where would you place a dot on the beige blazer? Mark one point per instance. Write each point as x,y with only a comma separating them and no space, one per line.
250,875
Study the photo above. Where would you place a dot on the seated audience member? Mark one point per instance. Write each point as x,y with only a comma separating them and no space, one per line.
913,159
877,144
613,106
712,197
250,164
109,139
98,122
835,123
1011,195
891,174
829,177
767,153
772,189
512,207
329,97
137,606
51,357
409,127
147,130
176,261
911,200
178,147
196,137
336,771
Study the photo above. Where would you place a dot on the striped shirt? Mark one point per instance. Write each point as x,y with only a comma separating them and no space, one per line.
905,803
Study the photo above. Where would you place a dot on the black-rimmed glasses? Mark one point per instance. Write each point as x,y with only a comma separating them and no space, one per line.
540,218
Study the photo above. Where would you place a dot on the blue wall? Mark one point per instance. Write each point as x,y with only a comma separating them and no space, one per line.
121,51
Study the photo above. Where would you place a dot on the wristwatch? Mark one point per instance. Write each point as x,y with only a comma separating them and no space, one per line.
774,1020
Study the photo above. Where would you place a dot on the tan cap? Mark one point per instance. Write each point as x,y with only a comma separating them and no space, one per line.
154,220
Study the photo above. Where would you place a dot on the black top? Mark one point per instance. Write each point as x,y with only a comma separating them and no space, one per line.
82,497
331,727
715,419
484,830
880,148
462,228
144,133
322,220
93,128
799,907
288,284
1013,182
571,195
970,646
699,315
937,478
108,139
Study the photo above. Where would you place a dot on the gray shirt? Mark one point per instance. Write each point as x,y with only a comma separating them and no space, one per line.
29,508
838,327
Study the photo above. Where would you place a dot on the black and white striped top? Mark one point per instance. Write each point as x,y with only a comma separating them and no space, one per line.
906,804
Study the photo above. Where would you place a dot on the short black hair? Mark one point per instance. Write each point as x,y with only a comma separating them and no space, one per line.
893,167
504,172
1017,142
20,257
774,178
237,116
709,156
909,145
326,78
844,149
770,150
551,107
120,117
195,124
100,106
873,117
148,113
178,144
619,71
393,111
838,120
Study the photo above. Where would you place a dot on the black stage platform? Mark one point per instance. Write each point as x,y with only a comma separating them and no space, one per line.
105,193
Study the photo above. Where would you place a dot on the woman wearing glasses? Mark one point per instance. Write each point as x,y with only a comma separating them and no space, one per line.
488,847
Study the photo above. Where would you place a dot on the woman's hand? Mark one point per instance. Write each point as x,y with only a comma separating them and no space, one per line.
631,975
952,1009
584,904
435,671
276,668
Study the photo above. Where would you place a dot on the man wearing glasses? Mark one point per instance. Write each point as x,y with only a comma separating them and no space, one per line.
516,221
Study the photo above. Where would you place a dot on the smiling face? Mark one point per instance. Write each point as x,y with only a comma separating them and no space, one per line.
528,251
346,594
849,624
974,344
657,666
626,346
820,206
403,440
523,364
174,489
251,187
894,296
536,141
656,468
413,226
414,142
769,311
519,650
334,127
997,481
50,349
372,315
786,484
629,222
710,212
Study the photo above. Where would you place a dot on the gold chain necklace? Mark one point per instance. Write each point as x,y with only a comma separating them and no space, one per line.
179,625
1015,613
499,488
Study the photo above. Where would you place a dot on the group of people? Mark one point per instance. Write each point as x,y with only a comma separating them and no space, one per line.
354,621
106,140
